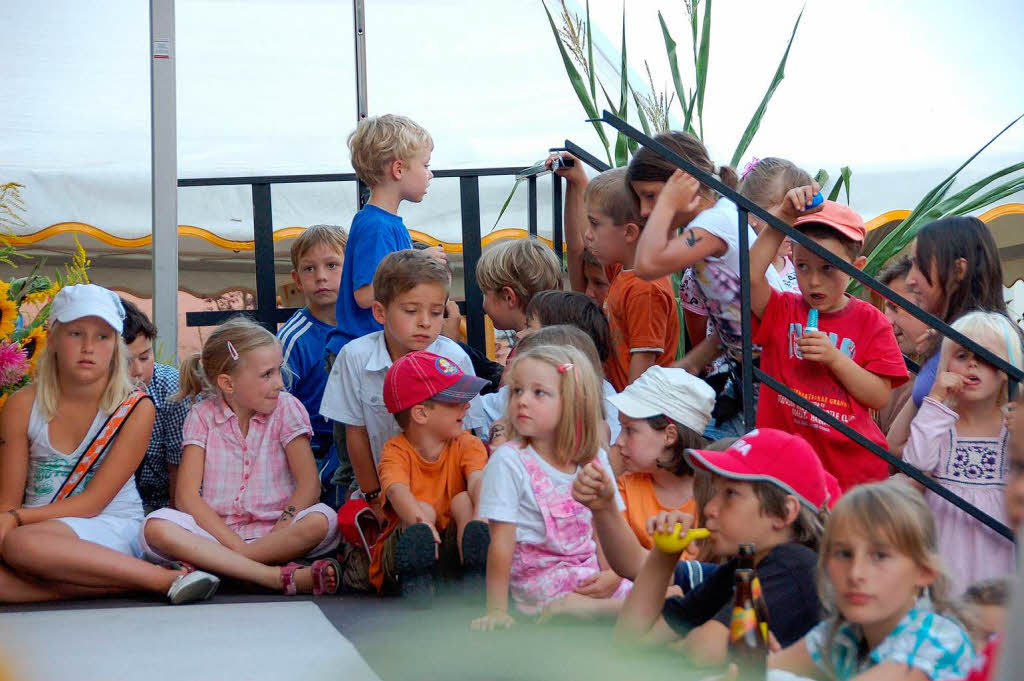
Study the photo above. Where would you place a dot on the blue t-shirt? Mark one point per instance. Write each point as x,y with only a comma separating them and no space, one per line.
303,339
374,233
925,379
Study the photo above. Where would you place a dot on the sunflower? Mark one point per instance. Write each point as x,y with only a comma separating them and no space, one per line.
8,311
34,344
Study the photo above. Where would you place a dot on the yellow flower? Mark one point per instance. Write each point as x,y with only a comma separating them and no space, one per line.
34,344
3,399
8,312
40,298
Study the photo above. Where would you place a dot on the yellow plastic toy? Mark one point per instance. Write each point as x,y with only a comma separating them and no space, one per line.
671,542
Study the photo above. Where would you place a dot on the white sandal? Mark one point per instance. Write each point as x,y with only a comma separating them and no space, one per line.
195,586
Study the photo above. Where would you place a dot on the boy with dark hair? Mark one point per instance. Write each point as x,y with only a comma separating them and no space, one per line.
769,490
317,256
158,472
410,290
847,362
430,475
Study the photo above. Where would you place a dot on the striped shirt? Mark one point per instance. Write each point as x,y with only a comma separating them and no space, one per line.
303,344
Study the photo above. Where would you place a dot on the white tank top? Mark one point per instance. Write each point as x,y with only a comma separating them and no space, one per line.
48,468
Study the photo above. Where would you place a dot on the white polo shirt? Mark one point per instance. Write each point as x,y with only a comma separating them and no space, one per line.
354,394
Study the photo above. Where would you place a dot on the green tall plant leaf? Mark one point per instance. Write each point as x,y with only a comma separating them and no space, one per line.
843,181
701,62
755,120
673,64
590,57
579,86
621,148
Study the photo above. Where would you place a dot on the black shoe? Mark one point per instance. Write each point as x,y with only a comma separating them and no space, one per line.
476,539
416,560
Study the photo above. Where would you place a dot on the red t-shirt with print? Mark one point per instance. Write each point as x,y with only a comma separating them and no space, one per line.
861,332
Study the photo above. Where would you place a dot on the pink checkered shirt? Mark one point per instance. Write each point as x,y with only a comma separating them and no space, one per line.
246,480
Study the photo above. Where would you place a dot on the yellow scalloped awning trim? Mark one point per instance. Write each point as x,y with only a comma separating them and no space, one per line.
449,247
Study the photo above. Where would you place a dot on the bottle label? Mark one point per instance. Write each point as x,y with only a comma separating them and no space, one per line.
743,620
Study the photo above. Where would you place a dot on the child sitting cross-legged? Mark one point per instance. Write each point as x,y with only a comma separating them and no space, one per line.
846,363
248,490
542,541
881,576
430,475
769,489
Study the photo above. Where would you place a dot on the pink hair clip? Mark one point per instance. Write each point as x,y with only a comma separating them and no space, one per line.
232,351
750,166
565,368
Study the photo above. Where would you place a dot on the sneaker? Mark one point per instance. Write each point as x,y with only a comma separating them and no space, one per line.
476,540
195,586
416,560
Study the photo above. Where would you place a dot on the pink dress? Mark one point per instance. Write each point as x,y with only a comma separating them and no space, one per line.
542,573
974,468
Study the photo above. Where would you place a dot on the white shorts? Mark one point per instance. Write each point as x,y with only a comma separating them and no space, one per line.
185,521
113,532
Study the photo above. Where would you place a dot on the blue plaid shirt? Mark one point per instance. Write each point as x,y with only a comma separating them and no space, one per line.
152,478
923,639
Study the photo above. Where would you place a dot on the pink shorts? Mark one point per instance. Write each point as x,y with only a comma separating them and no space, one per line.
184,520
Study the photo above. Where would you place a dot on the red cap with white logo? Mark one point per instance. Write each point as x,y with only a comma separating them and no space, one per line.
769,455
421,376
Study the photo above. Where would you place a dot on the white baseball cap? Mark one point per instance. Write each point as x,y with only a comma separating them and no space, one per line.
87,300
670,392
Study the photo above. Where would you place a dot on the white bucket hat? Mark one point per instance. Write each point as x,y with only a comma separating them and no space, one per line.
87,300
674,393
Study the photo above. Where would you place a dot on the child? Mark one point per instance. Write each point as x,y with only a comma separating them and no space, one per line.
848,365
906,328
542,545
595,283
881,573
158,471
71,509
663,414
247,485
411,290
317,256
643,314
959,438
430,475
769,489
510,274
391,155
984,607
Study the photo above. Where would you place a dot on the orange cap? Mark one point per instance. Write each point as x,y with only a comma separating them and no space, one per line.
839,217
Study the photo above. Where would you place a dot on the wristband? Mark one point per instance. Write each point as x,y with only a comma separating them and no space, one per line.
370,496
17,517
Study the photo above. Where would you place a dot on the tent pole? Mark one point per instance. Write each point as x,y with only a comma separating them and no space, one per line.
359,26
164,178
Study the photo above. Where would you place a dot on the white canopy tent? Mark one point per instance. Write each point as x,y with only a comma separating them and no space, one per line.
901,92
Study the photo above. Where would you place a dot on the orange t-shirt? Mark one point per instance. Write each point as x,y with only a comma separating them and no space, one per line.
432,482
637,490
643,317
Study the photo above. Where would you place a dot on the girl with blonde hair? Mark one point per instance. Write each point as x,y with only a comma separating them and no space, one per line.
881,578
69,446
542,540
248,490
959,438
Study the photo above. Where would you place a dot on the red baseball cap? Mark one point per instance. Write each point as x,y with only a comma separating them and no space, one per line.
421,376
839,217
769,455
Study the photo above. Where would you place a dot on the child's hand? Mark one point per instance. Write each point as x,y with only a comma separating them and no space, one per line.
947,386
666,521
495,619
7,523
436,252
498,434
575,174
593,487
817,347
681,192
601,585
795,203
451,326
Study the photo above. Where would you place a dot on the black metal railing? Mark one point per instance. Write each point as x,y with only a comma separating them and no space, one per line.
750,372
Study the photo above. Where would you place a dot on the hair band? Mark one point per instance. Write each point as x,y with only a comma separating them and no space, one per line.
750,166
564,368
232,351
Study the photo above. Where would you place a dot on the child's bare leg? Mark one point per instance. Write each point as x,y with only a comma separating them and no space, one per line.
584,607
15,588
288,543
173,540
462,512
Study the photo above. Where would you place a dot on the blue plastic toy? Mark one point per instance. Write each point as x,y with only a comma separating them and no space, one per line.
812,321
816,201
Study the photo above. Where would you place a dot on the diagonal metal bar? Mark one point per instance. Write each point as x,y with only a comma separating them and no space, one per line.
888,457
584,155
866,279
